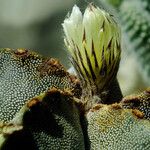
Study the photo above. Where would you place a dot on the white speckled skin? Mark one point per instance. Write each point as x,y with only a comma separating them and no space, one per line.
54,124
62,127
20,81
117,129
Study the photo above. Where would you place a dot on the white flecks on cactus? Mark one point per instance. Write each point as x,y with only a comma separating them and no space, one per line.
116,128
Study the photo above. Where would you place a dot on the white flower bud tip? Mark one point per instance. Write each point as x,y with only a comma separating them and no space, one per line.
93,40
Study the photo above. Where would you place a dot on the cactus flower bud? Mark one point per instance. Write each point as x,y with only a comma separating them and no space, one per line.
93,40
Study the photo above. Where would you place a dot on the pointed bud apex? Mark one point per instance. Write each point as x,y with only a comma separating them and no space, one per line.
93,40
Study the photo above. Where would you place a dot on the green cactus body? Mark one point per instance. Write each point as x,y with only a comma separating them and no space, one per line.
60,127
136,23
24,75
111,127
52,119
140,102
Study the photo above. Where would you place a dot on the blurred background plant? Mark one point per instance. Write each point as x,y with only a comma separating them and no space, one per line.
36,24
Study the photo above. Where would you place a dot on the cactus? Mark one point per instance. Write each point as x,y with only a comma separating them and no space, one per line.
50,118
112,127
137,26
140,102
25,75
42,106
